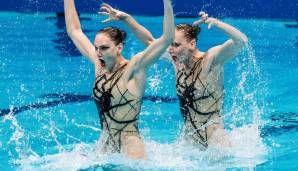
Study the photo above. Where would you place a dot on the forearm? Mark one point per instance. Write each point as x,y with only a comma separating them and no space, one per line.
71,16
168,22
159,46
74,31
232,32
141,32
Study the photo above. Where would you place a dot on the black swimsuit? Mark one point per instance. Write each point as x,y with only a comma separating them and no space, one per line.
190,98
118,109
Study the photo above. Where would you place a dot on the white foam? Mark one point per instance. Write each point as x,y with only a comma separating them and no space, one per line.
247,151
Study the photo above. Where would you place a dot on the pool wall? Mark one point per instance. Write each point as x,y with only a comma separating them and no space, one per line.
280,9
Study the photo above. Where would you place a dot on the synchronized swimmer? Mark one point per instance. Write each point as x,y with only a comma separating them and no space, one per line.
119,84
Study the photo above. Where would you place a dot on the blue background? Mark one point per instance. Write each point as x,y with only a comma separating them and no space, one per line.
280,9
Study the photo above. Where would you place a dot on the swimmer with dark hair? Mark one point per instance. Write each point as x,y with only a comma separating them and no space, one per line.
119,83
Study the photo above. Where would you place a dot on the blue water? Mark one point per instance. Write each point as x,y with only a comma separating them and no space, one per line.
49,122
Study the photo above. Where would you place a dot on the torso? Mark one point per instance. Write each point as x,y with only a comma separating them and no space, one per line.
201,100
118,109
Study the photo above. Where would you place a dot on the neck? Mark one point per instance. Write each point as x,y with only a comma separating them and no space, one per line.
187,64
198,54
114,65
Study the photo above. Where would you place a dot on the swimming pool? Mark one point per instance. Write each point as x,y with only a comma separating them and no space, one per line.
49,121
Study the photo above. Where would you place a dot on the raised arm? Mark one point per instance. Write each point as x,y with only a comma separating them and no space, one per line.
141,32
159,46
75,32
231,47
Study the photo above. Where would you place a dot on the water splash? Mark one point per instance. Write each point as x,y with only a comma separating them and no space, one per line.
247,107
247,102
160,157
18,139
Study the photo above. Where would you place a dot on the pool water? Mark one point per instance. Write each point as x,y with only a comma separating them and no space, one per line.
48,120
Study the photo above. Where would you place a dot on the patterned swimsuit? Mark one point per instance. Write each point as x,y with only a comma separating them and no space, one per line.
118,109
198,103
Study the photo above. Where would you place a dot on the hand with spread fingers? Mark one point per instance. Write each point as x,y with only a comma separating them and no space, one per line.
205,19
112,13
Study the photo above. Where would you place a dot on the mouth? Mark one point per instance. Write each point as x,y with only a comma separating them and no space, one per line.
174,57
102,61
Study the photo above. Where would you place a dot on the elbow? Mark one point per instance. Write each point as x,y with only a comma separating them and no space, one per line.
72,32
244,40
149,41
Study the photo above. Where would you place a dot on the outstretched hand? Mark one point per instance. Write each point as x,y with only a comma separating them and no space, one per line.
205,19
112,13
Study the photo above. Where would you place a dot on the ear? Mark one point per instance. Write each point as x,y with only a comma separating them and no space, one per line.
193,43
119,48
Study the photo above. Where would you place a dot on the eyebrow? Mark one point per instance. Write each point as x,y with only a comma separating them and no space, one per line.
102,46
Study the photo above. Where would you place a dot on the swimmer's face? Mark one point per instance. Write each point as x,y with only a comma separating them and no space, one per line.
106,50
181,49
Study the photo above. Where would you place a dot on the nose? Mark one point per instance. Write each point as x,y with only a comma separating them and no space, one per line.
170,49
98,52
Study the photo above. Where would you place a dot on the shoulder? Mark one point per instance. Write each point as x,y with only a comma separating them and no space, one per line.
134,61
207,63
133,68
212,54
136,57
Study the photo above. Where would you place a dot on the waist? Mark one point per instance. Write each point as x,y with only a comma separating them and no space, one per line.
120,113
200,106
115,127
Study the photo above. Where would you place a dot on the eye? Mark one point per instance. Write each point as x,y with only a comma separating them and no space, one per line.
101,48
104,47
174,44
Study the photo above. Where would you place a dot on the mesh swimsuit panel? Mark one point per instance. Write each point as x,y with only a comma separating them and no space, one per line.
199,104
118,109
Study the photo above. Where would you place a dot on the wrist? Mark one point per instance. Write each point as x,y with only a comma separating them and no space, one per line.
216,21
125,17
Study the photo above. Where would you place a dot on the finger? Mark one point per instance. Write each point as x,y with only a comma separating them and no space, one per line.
197,23
201,13
103,13
209,26
106,5
105,9
106,20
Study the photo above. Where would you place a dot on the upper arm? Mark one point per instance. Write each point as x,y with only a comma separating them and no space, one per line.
223,53
84,45
137,66
152,53
141,61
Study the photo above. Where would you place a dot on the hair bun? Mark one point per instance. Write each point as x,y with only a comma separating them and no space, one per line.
190,31
123,33
196,29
